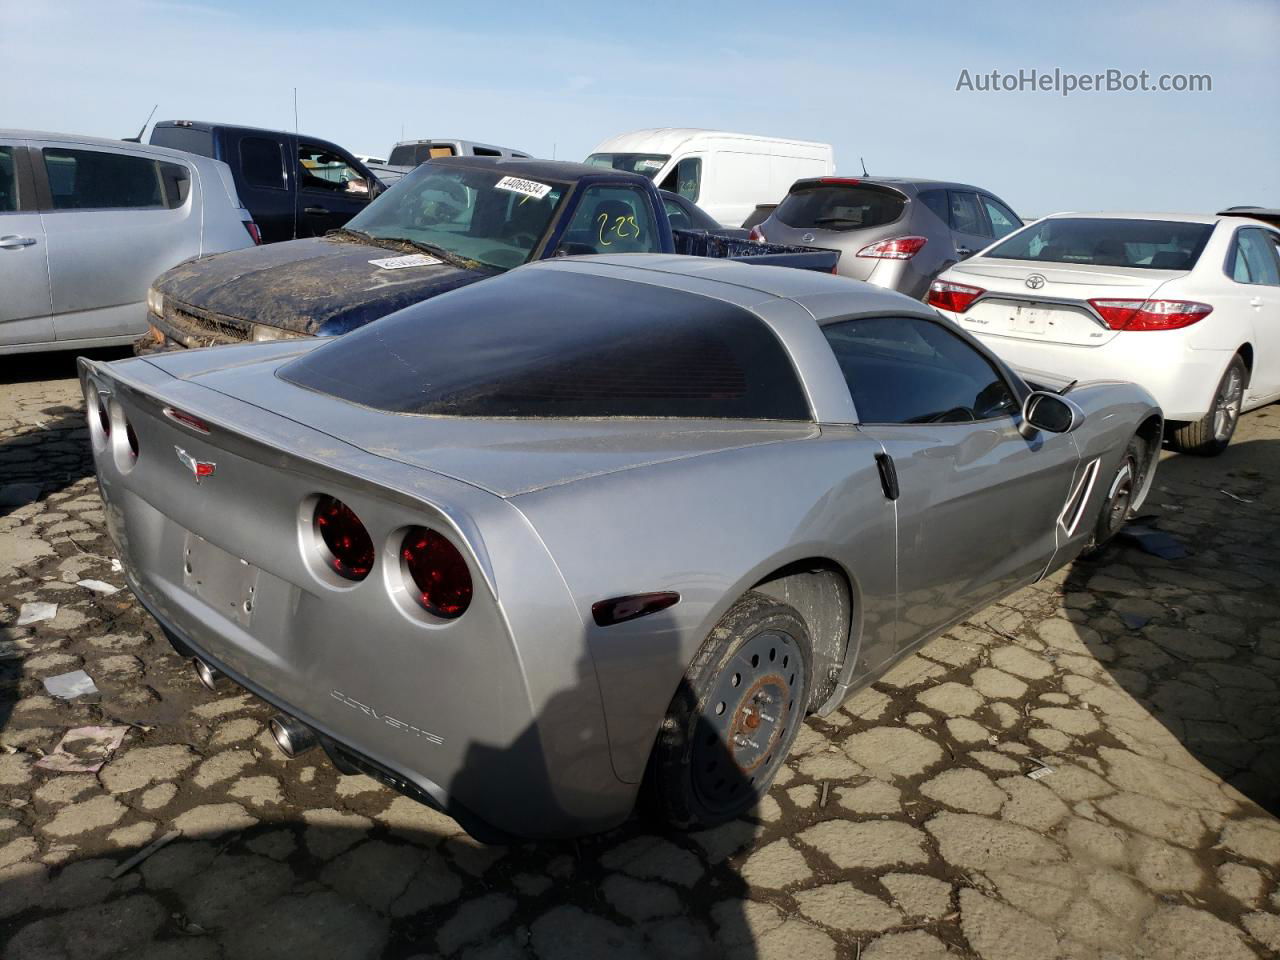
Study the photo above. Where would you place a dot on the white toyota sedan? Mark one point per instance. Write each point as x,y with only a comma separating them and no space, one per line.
1188,306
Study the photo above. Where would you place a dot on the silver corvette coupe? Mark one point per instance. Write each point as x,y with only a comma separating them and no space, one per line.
598,530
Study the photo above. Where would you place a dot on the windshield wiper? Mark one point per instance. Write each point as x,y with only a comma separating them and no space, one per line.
466,263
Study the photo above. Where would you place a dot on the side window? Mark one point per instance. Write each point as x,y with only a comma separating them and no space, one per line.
8,181
325,172
965,215
612,220
685,179
262,163
97,180
1254,259
176,179
911,370
936,200
1003,220
676,215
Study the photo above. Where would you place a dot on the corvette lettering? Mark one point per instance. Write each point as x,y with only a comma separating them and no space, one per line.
392,722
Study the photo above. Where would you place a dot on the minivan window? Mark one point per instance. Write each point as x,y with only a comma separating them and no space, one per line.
911,370
98,180
8,181
1102,241
262,163
646,164
839,206
550,343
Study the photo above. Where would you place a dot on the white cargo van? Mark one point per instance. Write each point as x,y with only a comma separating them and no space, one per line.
726,174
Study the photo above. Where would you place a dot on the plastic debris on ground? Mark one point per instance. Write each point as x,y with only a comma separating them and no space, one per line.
1236,497
145,852
1040,772
1155,542
98,586
115,566
68,686
35,612
84,749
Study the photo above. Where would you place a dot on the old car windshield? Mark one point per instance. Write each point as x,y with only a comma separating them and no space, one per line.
481,215
645,164
1105,242
553,343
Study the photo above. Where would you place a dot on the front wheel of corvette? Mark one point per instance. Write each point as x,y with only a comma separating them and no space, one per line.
734,717
1123,488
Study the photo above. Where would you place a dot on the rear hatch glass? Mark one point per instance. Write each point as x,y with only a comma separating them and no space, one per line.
840,207
1103,242
541,343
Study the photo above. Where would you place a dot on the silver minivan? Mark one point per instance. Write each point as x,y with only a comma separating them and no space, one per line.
85,226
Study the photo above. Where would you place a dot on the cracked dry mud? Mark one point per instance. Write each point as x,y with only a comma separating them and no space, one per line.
905,826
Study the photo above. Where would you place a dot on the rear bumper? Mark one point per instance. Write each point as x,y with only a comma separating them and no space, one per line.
1181,380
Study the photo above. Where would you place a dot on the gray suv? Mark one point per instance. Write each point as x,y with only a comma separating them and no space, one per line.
893,232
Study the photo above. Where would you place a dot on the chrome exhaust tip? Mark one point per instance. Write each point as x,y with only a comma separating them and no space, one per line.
291,735
206,674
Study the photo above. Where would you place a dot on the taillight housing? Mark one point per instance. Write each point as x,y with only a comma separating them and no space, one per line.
756,234
955,297
253,232
895,248
348,545
437,573
1150,314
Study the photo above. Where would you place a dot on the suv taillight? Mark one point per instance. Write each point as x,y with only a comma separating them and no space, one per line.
895,248
349,547
253,231
756,234
956,297
438,571
1150,314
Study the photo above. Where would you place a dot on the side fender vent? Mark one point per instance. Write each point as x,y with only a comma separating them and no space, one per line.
1073,509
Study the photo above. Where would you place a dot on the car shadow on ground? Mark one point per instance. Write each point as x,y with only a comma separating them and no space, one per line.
1194,640
49,450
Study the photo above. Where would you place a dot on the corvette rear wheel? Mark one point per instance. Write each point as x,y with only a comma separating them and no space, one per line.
1209,436
734,717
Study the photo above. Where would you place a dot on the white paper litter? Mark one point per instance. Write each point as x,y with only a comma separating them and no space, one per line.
68,686
115,566
98,586
35,612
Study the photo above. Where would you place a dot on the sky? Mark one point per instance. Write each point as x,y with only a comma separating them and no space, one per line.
876,80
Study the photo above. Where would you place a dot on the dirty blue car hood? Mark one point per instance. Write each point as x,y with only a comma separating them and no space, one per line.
319,286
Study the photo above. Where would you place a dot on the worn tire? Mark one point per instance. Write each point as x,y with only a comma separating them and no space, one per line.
1123,485
1207,437
720,747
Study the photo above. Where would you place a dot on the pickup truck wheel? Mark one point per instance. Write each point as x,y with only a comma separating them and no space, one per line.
734,717
1209,436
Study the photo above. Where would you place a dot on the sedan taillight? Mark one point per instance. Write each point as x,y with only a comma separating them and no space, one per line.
350,549
956,297
895,248
1150,314
439,574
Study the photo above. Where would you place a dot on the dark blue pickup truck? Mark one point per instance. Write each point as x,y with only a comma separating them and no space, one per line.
449,223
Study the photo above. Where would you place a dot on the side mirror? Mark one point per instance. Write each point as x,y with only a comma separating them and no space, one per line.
1049,412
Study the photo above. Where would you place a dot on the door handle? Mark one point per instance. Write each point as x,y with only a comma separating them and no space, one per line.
317,211
963,252
888,475
13,242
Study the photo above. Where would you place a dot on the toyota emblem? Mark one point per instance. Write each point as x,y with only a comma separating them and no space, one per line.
1035,281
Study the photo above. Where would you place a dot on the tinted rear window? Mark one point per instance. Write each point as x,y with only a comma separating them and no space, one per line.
184,138
831,207
1146,244
541,343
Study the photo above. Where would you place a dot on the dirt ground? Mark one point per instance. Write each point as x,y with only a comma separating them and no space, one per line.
1088,769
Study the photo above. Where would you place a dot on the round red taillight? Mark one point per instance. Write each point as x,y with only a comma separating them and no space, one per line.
104,418
439,573
350,548
132,438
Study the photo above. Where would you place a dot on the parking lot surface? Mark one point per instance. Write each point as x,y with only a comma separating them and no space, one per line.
1088,769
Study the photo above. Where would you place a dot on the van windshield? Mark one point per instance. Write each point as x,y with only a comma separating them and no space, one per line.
470,214
645,164
1101,241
